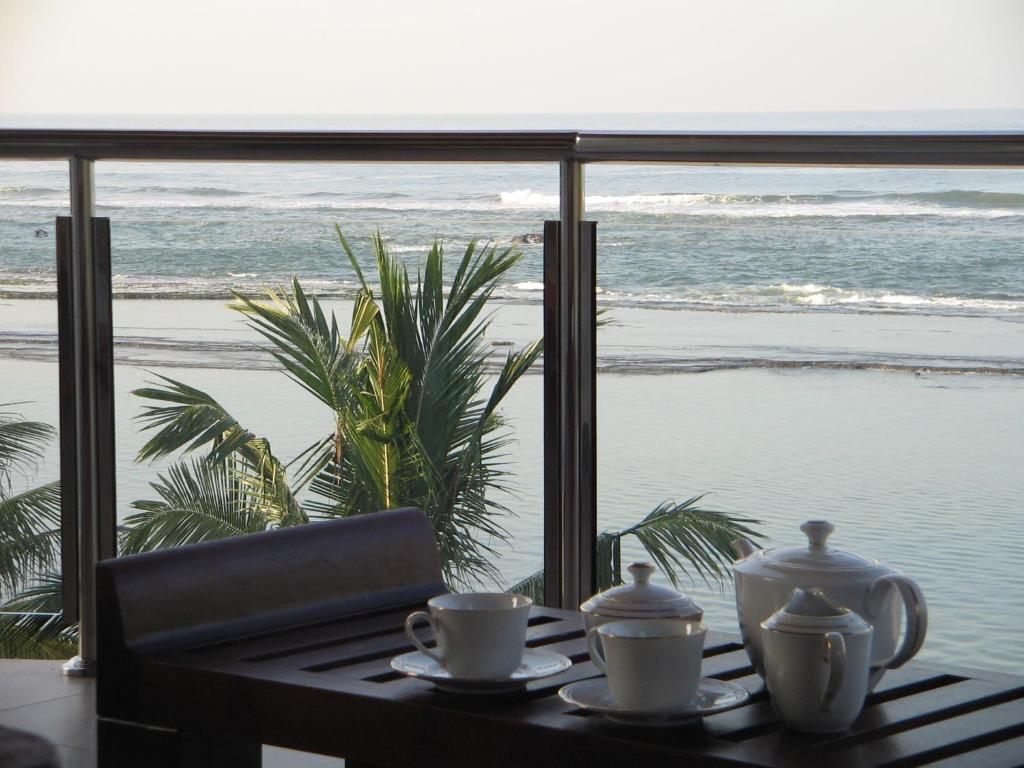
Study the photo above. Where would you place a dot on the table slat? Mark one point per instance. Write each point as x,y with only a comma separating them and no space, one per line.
943,738
877,721
1002,754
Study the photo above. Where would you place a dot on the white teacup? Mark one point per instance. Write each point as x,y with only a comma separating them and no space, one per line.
653,665
480,635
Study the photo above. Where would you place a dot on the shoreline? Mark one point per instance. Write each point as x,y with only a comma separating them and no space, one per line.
603,300
205,333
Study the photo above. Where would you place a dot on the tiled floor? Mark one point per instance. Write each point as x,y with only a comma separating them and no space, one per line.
36,697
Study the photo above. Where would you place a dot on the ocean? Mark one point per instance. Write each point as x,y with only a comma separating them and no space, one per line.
795,342
748,238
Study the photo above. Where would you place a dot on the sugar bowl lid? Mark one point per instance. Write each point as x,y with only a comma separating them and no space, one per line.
814,611
642,600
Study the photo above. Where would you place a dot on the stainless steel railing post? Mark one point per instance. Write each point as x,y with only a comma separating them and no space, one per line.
573,585
83,287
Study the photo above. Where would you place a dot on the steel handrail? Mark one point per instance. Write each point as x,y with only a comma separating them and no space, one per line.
979,148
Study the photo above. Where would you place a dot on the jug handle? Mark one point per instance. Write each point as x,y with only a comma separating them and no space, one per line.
593,644
835,655
917,616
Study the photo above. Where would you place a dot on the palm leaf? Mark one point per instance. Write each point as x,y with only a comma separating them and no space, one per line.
22,446
307,345
29,533
196,420
193,420
431,437
683,537
32,626
198,501
532,586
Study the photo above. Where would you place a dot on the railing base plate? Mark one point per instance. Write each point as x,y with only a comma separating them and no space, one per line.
79,667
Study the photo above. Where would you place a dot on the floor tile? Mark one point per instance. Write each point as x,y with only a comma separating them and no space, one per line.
36,697
70,721
29,682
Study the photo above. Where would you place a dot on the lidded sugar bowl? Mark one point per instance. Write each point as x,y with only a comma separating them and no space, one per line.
765,579
639,600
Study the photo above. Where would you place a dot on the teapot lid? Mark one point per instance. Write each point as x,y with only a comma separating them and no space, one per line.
812,611
641,599
817,554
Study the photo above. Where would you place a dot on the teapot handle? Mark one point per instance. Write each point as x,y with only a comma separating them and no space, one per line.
835,655
917,615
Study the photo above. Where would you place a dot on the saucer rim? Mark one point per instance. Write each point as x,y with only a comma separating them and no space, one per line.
635,716
445,680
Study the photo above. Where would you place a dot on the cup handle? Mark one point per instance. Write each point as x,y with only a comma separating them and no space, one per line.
593,641
917,616
410,623
835,655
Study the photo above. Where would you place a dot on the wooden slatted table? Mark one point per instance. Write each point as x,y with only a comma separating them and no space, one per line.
285,638
329,688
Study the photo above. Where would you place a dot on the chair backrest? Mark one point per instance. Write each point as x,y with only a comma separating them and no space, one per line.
248,585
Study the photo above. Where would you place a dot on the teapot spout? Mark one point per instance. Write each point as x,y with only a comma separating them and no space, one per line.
743,548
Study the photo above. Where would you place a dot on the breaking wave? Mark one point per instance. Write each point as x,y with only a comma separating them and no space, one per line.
951,203
955,203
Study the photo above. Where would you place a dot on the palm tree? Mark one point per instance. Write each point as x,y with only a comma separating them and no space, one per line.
415,420
30,624
411,426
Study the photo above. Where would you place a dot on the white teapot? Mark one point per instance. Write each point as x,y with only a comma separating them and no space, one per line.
766,578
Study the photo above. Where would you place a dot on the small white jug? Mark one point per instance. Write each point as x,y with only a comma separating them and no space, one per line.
817,659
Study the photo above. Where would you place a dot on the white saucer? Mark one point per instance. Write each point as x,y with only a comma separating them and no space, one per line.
712,696
537,664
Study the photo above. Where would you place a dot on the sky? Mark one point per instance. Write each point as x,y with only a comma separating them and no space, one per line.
515,56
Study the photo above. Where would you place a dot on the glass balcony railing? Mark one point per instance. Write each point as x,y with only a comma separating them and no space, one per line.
794,342
32,194
802,343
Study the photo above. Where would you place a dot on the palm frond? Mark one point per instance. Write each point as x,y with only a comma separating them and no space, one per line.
311,461
193,420
532,586
608,551
516,364
29,533
198,501
304,341
32,626
419,429
685,538
264,480
22,446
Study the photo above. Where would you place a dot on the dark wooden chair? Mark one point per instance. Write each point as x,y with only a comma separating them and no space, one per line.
239,588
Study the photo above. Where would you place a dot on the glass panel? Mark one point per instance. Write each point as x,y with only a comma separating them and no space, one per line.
840,343
185,236
32,195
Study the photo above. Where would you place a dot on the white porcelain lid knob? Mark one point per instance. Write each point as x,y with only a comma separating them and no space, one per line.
641,573
817,532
